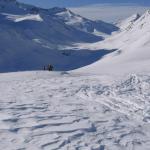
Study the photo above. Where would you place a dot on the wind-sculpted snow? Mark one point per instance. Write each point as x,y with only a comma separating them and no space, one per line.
42,110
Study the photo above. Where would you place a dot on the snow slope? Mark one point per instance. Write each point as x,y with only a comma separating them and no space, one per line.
32,37
97,107
59,111
132,50
127,23
25,14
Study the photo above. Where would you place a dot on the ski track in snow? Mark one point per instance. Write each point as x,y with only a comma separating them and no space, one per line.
53,111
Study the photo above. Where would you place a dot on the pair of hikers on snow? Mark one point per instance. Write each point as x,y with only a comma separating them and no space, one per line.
49,67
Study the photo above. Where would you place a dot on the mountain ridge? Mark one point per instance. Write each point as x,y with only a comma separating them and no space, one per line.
132,49
32,37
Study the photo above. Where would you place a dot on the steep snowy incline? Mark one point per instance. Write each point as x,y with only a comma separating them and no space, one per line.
59,111
127,23
132,50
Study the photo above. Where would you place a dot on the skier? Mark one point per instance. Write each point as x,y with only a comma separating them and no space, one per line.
50,67
44,68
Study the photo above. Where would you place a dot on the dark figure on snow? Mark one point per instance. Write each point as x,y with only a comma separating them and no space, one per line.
50,67
44,68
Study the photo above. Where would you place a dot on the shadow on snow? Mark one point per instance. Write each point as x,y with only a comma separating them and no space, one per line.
81,58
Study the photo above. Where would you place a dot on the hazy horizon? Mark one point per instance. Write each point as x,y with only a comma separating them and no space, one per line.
79,3
97,9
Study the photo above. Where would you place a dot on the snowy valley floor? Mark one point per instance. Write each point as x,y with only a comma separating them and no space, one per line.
66,111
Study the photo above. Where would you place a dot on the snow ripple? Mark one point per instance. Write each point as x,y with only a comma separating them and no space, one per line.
63,111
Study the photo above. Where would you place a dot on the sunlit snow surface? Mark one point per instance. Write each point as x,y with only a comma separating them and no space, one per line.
68,111
18,18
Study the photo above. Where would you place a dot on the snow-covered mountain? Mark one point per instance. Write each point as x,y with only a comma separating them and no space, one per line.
17,12
41,110
31,37
95,27
132,49
127,23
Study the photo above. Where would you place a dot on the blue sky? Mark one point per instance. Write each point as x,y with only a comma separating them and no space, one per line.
75,3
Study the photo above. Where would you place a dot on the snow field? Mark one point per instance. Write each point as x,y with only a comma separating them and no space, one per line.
42,110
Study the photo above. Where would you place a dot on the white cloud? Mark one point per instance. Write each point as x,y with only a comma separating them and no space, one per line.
109,12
